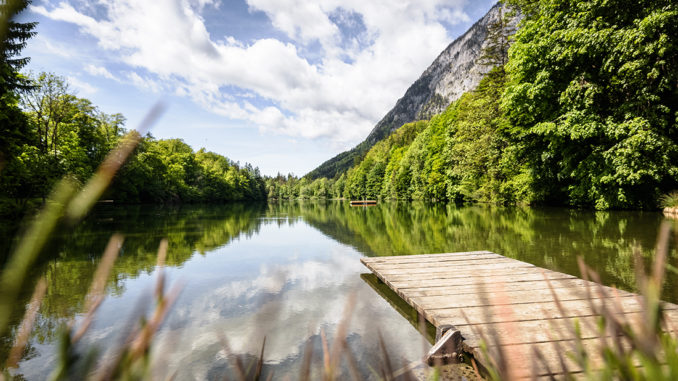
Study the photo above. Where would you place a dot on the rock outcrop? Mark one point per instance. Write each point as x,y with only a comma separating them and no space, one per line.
454,72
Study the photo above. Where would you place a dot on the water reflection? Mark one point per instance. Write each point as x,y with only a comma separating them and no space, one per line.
547,237
287,270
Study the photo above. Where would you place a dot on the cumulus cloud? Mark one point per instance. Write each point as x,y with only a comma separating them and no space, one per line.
370,52
82,87
99,71
144,83
309,295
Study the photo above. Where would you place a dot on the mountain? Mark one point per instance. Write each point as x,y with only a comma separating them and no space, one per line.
454,72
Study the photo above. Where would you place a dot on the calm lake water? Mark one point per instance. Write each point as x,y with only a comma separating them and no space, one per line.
287,270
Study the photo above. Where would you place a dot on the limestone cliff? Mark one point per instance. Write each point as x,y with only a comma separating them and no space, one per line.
454,72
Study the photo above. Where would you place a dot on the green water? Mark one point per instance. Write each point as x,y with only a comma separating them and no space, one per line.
287,270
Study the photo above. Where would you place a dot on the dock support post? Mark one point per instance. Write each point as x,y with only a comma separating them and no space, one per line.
447,347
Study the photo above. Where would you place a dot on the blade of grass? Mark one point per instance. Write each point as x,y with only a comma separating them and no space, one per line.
326,353
338,346
27,324
98,183
98,287
260,361
162,256
236,363
29,246
387,369
305,373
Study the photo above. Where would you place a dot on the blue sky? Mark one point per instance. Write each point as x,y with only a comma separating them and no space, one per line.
281,84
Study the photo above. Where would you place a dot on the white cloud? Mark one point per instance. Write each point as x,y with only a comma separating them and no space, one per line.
144,82
99,71
82,87
200,4
310,295
169,41
54,48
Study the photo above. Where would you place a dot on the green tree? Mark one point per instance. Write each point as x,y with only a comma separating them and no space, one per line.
12,42
593,100
49,105
497,42
339,186
14,130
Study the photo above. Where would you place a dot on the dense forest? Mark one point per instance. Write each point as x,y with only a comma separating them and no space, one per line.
579,107
47,132
581,110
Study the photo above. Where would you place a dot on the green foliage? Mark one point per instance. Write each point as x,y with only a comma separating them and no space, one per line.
367,179
593,100
483,165
163,171
13,39
293,188
583,113
14,129
669,200
463,154
69,135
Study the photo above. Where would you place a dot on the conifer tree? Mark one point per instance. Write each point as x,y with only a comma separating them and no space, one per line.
13,39
13,36
499,31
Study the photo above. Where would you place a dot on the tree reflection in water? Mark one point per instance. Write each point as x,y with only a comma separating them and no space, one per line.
286,269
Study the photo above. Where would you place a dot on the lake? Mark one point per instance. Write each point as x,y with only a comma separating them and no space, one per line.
286,271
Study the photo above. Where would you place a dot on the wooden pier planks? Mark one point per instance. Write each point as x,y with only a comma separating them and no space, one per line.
483,293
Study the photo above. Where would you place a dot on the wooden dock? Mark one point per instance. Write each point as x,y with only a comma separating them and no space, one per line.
509,303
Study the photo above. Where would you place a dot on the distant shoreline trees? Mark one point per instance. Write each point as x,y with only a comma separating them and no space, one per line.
47,132
69,136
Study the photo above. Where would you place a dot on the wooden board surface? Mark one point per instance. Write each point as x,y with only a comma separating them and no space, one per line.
513,304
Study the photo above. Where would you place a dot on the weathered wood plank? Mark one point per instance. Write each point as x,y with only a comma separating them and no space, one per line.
482,293
516,298
445,259
447,264
514,277
508,297
544,330
532,311
506,272
460,289
424,257
464,268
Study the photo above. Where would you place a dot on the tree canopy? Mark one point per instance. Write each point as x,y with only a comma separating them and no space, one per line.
581,110
68,135
593,99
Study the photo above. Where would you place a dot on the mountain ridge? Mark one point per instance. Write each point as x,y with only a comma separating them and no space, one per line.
454,72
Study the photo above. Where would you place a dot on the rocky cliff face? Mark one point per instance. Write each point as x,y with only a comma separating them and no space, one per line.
454,72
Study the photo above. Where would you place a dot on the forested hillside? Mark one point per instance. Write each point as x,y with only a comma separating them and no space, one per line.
582,110
47,132
456,70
